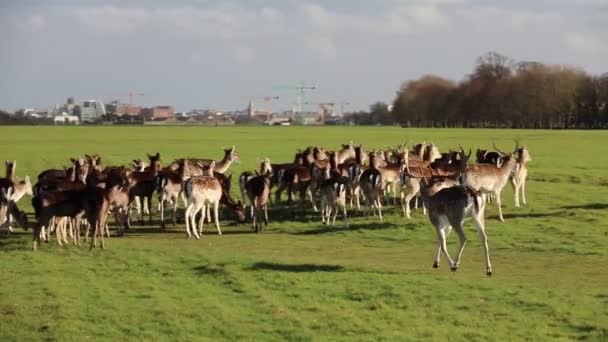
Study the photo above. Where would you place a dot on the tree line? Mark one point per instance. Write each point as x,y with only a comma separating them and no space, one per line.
500,93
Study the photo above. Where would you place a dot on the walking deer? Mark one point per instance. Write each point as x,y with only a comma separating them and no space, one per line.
333,197
448,209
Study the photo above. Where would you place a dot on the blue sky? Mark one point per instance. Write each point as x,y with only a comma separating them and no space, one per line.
214,54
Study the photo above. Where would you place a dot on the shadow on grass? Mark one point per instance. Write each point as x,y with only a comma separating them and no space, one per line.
589,206
209,270
270,266
9,244
528,215
351,227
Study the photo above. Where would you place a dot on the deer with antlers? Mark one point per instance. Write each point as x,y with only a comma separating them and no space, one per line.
491,179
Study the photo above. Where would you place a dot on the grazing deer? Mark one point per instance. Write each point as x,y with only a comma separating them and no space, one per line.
371,186
333,197
448,209
519,175
202,191
258,192
491,179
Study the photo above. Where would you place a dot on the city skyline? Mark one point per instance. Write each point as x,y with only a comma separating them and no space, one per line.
211,54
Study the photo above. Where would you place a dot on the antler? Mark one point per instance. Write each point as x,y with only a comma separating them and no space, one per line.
497,149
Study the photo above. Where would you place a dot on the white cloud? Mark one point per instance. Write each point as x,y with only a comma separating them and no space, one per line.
427,15
323,47
243,54
585,43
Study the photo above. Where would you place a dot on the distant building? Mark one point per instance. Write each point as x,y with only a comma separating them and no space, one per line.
66,119
158,113
92,110
122,109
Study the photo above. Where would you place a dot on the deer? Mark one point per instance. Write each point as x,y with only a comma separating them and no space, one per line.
192,167
519,175
371,186
202,191
296,177
491,179
333,197
142,186
490,157
73,204
448,208
258,191
9,209
18,188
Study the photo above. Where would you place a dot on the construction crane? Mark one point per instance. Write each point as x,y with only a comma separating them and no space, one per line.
301,91
342,105
132,99
268,104
326,109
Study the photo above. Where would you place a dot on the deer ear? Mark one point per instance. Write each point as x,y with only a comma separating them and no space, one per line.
157,155
27,179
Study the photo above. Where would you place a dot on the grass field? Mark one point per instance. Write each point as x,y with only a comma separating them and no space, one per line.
300,280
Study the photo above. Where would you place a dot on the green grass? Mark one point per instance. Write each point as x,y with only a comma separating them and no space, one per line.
302,281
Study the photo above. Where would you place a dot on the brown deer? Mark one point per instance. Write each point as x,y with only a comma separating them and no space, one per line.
142,186
491,179
448,209
202,191
519,175
9,209
258,192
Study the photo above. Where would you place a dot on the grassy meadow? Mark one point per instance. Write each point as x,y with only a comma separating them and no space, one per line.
300,280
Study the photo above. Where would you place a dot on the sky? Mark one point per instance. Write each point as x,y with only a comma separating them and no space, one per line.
217,54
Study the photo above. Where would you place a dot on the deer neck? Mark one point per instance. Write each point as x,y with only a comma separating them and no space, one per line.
222,165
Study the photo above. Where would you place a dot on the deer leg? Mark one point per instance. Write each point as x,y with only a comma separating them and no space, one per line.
463,240
203,211
523,191
516,188
484,241
58,232
448,230
380,209
208,213
216,207
187,219
343,205
149,202
335,213
441,236
499,205
254,217
312,200
161,209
